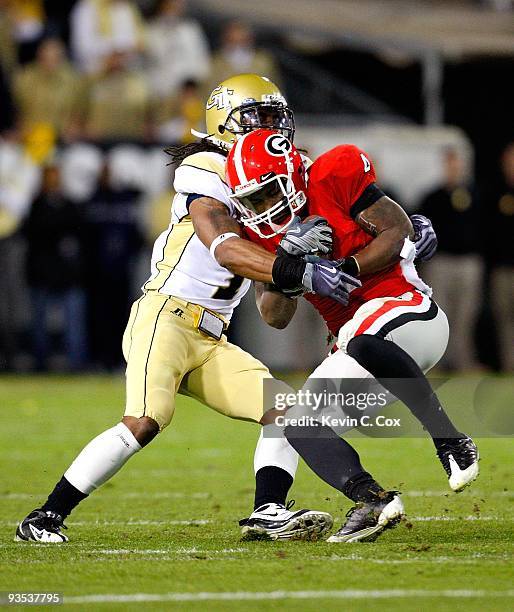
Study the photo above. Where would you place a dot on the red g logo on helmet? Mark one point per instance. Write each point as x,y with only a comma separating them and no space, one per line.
277,145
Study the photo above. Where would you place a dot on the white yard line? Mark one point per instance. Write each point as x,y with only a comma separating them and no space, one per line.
466,560
128,495
446,492
470,517
201,522
231,554
178,551
278,595
137,522
188,554
206,495
128,522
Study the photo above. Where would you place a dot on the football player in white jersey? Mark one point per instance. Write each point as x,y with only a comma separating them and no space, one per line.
174,338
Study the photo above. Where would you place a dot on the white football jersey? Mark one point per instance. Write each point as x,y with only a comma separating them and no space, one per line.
182,265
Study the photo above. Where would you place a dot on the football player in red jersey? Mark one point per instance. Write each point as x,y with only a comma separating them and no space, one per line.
387,326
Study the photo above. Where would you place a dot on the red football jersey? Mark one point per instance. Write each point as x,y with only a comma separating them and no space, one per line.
341,184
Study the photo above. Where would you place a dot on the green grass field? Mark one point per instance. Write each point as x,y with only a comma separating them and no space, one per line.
166,525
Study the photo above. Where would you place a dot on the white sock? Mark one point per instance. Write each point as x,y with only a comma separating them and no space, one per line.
276,452
102,458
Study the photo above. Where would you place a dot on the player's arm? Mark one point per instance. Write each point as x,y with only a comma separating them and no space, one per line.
212,223
388,223
211,219
275,308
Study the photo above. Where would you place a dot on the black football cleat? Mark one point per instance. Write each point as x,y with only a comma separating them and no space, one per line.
460,460
276,522
41,526
366,521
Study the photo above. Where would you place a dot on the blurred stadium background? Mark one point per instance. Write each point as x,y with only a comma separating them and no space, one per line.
91,91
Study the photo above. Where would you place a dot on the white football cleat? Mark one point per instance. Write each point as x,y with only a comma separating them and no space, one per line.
460,460
276,522
366,521
41,526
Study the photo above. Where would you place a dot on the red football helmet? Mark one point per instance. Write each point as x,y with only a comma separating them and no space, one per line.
267,176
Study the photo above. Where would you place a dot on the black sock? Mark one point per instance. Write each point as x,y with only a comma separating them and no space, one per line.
363,488
329,456
272,485
63,498
391,366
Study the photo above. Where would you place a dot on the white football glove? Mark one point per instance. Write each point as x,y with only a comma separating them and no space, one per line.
312,237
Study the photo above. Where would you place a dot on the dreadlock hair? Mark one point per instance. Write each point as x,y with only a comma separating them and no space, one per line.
178,153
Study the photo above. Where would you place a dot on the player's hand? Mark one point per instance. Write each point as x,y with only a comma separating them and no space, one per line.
425,238
325,278
311,237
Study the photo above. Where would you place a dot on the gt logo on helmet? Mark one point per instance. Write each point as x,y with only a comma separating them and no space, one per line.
219,98
277,144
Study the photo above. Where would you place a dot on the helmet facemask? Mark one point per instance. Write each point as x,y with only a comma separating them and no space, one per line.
271,115
286,202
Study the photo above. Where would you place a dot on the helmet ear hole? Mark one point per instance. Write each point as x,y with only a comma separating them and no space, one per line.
221,129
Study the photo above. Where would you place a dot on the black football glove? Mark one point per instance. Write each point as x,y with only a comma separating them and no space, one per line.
425,238
308,238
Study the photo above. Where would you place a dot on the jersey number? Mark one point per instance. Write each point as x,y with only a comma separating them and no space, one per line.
365,160
227,293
